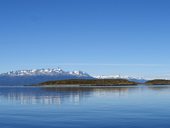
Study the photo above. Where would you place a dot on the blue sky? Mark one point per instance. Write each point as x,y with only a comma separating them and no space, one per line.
97,36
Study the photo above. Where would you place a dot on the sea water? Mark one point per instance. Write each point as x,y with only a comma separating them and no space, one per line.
85,107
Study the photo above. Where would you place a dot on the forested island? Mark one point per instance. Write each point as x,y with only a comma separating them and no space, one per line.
158,82
90,82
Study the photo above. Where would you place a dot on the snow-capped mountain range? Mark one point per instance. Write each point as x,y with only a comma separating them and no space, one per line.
28,77
50,72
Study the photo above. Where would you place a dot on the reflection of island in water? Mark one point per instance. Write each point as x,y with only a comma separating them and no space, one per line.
52,95
60,95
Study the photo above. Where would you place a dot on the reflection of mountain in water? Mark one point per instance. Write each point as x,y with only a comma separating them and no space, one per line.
51,95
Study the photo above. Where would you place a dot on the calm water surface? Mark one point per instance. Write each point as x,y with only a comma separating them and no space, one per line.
85,107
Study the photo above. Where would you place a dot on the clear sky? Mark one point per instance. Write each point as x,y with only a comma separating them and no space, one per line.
128,37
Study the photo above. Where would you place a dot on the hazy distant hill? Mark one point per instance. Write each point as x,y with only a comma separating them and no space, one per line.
134,79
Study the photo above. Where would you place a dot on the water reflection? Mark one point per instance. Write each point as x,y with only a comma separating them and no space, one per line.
60,95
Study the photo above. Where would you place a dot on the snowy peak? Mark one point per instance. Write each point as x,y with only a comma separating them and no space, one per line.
35,72
80,73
